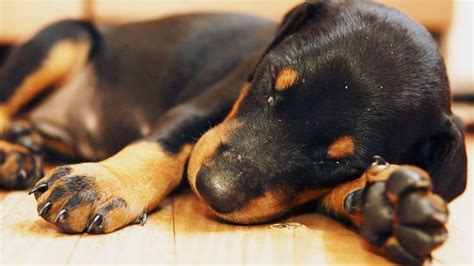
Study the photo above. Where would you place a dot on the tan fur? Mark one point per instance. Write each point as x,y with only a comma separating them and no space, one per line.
392,197
243,93
59,147
270,205
209,142
4,119
334,200
62,60
141,175
261,209
8,147
285,79
391,241
341,148
309,195
151,172
381,172
11,163
206,146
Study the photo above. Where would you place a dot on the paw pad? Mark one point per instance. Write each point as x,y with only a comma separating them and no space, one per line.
403,217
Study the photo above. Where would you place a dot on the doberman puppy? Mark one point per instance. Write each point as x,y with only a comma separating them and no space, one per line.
262,117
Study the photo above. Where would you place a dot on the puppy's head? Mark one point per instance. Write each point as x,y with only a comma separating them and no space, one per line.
289,136
303,123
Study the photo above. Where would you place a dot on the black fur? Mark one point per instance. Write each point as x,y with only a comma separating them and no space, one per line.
28,57
363,70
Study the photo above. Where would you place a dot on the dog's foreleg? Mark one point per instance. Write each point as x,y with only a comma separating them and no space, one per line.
395,210
102,197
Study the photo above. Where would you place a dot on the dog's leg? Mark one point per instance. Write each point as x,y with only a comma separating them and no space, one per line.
102,197
395,209
45,61
21,156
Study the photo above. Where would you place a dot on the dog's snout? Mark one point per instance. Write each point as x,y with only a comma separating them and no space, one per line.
219,191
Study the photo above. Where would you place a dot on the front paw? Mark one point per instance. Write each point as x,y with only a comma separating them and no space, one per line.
21,158
87,197
403,217
19,166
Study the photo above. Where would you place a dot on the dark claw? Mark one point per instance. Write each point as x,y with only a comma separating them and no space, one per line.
40,172
18,129
378,160
40,188
61,216
45,208
354,201
143,217
379,165
271,101
29,143
96,223
23,174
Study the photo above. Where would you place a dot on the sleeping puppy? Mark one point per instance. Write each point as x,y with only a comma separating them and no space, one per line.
262,118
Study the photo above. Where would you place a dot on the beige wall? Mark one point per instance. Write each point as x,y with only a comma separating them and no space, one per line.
434,14
460,43
142,9
21,18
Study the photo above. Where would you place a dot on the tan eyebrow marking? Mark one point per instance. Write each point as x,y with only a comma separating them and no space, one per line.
285,78
341,148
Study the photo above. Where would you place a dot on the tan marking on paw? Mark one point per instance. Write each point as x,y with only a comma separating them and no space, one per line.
149,170
285,79
140,176
383,172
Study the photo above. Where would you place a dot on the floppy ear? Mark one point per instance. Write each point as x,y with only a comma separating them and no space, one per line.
444,157
292,21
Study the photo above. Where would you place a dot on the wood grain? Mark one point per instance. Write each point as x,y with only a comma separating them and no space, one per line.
182,231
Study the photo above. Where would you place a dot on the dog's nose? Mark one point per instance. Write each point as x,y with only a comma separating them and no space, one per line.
219,190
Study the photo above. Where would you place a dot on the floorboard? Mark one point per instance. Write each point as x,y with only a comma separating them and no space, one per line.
182,231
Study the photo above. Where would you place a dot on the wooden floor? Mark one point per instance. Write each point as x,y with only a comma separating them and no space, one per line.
183,232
